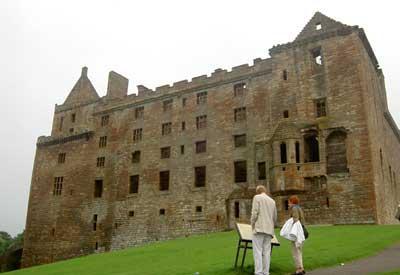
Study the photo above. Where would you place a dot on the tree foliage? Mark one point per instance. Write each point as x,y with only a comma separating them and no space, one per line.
6,241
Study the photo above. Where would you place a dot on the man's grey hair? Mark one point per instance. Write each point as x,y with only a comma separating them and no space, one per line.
261,189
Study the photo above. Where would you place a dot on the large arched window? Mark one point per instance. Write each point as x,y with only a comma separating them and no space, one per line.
336,161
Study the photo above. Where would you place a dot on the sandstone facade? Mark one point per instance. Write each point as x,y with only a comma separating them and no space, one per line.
312,120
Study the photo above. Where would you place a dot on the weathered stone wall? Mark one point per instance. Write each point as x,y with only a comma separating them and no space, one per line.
343,185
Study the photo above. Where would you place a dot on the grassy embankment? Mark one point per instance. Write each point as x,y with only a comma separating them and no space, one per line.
214,254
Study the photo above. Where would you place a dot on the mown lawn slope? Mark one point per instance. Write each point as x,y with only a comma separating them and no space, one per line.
214,254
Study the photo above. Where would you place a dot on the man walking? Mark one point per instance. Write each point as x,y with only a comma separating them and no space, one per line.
263,220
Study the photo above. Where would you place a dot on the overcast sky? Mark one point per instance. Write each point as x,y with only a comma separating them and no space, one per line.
44,44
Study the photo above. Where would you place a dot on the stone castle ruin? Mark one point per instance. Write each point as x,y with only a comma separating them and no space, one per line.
311,120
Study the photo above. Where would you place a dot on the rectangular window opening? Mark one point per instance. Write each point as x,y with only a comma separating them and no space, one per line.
137,135
60,126
139,112
239,89
201,146
61,158
95,223
103,142
240,140
58,185
201,122
98,188
134,184
104,120
167,105
317,56
166,128
284,74
240,171
136,157
200,176
201,98
164,180
165,152
101,161
240,114
320,107
237,209
261,171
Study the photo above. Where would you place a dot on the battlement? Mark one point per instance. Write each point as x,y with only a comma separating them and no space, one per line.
218,77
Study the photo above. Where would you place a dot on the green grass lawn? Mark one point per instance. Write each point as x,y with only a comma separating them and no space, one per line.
214,254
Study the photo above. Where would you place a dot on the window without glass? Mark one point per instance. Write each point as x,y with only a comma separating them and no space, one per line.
58,185
162,212
240,114
139,112
104,120
137,135
297,149
286,114
167,105
320,106
131,213
73,118
95,226
60,126
240,171
103,142
98,188
201,98
317,56
284,75
261,171
201,146
183,127
164,180
136,157
184,102
101,161
133,184
199,209
201,122
182,149
318,26
240,140
239,89
200,176
165,152
166,128
237,209
311,148
283,153
61,158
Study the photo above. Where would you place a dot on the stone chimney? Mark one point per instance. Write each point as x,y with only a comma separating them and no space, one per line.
117,85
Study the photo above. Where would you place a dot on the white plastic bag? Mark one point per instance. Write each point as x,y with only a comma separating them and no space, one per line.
293,232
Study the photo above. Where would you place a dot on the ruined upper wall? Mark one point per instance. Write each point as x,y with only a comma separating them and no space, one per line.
218,77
